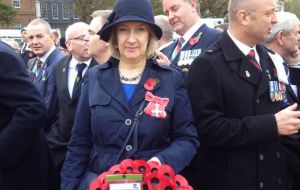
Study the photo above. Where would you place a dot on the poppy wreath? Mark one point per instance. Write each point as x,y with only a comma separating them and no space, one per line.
155,176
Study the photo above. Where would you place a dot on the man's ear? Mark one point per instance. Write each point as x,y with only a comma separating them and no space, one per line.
243,17
279,38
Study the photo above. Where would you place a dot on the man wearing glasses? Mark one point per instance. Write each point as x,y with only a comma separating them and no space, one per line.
68,75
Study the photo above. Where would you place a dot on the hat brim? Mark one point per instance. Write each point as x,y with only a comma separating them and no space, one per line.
106,31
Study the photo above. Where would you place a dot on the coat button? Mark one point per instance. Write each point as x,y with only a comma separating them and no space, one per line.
128,122
128,148
278,155
261,185
257,101
279,181
261,157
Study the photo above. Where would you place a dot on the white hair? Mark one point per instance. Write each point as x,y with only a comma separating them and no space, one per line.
286,21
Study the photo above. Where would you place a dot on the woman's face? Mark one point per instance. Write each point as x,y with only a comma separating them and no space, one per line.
132,39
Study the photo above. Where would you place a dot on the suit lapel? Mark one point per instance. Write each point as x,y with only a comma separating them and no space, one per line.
63,72
190,45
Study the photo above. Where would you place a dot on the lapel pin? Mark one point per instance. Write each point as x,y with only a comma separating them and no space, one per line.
64,69
247,73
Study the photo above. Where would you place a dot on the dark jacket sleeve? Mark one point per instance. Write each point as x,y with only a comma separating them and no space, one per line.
21,107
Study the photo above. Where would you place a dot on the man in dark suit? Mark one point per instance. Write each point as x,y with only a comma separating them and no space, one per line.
195,36
67,90
236,102
41,67
23,148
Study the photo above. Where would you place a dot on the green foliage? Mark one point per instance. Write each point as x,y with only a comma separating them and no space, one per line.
213,8
85,8
209,8
293,6
7,14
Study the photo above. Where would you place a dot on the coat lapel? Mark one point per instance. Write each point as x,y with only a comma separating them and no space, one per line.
109,80
238,62
267,70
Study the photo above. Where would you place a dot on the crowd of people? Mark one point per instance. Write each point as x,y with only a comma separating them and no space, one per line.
221,107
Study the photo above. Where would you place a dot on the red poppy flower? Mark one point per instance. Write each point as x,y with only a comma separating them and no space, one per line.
167,171
99,183
95,185
150,84
182,183
116,169
140,166
195,39
159,182
127,166
154,166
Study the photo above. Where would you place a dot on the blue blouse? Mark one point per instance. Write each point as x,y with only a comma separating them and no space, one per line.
129,90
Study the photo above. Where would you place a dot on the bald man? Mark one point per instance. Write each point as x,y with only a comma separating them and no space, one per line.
236,100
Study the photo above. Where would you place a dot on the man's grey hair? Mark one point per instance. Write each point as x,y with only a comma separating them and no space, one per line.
286,21
39,21
73,28
189,1
163,22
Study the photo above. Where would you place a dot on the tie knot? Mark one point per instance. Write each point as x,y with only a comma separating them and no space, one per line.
80,67
251,54
181,40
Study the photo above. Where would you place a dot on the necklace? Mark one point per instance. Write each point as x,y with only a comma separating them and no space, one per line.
130,79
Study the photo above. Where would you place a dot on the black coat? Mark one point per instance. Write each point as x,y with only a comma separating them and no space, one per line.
23,148
240,148
60,133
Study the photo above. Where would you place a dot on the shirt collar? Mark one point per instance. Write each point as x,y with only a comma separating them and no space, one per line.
189,34
74,62
243,47
46,55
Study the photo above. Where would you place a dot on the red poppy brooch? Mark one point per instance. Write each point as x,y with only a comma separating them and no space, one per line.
150,84
195,39
157,105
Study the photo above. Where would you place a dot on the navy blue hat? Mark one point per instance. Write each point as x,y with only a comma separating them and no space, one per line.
130,10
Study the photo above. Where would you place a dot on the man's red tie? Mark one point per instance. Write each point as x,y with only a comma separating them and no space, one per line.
178,47
251,57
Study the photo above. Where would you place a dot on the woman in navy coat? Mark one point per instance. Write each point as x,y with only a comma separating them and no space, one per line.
129,87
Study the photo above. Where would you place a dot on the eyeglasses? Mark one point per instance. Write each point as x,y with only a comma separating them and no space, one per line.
80,38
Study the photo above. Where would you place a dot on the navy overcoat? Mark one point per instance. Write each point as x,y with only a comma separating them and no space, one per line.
104,117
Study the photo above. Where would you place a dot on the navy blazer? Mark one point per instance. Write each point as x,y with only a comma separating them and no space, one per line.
241,148
45,83
207,37
23,148
104,118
